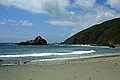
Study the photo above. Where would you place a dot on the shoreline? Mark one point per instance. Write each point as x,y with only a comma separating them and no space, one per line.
88,59
101,58
100,68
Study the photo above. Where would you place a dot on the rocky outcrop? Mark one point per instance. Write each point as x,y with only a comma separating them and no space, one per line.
37,41
104,34
109,43
1,60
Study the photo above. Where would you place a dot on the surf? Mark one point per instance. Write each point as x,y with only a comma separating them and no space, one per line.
48,54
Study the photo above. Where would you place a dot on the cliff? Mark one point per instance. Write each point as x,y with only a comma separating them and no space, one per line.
105,34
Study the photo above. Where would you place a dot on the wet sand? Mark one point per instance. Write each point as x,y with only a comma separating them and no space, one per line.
101,68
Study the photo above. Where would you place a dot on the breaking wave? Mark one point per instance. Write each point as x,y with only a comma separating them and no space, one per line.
47,54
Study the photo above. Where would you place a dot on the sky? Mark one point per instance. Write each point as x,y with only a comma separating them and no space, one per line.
54,20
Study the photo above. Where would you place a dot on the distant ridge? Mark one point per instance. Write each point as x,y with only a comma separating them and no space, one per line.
105,34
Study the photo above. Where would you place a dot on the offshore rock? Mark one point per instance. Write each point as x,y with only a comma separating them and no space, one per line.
37,41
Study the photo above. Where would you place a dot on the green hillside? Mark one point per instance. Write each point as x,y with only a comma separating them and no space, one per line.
106,33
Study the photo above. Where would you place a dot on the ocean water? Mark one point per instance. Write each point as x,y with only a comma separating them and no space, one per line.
10,52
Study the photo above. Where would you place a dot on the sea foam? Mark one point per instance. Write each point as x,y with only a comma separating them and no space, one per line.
47,54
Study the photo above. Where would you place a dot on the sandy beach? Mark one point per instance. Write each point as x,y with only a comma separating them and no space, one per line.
104,68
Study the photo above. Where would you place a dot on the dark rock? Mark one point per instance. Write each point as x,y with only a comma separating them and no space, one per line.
112,45
24,62
37,41
109,43
1,60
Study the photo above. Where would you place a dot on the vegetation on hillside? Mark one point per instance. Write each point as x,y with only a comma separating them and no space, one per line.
106,33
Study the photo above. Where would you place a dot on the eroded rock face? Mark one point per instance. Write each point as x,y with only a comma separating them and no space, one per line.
37,41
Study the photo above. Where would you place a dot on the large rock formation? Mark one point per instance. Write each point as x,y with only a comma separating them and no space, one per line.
104,34
37,41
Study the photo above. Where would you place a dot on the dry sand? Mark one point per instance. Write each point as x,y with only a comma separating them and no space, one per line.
105,68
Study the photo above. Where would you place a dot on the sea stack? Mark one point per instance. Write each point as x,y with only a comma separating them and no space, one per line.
37,41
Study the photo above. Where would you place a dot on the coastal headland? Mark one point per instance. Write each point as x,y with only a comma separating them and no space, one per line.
104,34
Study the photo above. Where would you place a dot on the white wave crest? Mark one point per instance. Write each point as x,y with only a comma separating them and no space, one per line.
55,59
47,54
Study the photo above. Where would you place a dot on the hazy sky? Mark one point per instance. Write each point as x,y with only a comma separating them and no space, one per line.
54,20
